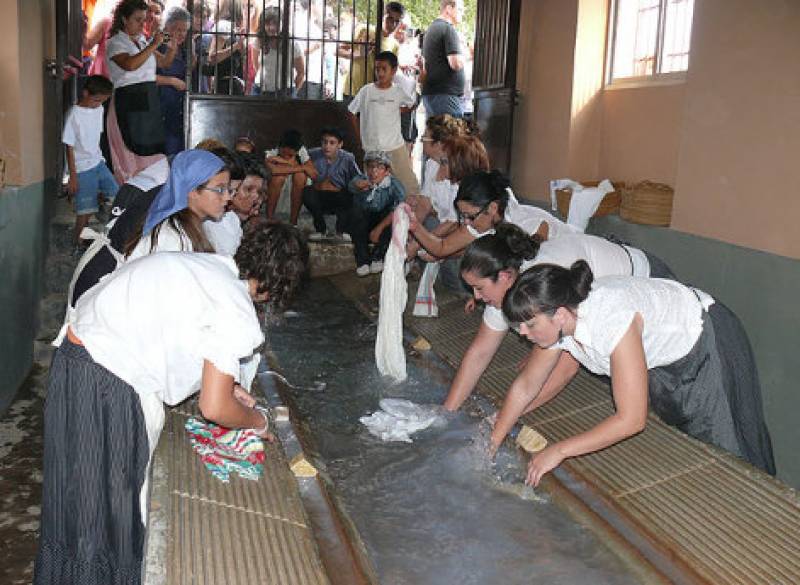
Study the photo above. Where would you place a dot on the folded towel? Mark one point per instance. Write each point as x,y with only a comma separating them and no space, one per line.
425,303
224,450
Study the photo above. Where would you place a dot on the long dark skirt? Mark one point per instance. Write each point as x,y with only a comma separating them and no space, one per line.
95,459
138,109
713,393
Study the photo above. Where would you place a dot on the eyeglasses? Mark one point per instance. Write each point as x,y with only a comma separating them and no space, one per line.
427,139
464,217
219,190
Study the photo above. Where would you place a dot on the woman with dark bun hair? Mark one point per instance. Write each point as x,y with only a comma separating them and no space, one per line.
484,200
657,339
492,264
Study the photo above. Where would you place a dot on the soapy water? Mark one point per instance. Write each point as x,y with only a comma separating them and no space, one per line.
438,510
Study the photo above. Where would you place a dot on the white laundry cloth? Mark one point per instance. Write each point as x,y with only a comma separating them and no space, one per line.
398,419
425,303
585,201
389,353
558,184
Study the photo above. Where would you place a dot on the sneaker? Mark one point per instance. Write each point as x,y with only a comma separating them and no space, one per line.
345,237
376,266
316,236
363,270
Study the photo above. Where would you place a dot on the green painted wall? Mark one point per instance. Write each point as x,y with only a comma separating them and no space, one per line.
24,217
762,289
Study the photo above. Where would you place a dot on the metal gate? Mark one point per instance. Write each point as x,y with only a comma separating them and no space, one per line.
262,92
494,76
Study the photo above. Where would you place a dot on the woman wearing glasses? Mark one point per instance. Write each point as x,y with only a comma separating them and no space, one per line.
492,264
659,341
197,189
484,200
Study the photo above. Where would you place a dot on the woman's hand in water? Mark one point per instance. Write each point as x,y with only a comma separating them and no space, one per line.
243,396
543,462
470,305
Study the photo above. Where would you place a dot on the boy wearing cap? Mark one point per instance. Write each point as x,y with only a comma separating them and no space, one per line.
375,195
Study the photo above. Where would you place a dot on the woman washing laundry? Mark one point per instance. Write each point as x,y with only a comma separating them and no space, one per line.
485,199
492,264
658,340
156,331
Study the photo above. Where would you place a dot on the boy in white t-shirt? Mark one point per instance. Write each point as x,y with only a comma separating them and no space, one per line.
88,173
378,105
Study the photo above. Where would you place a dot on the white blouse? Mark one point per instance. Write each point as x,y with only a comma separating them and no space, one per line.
528,218
154,320
671,313
169,240
225,235
121,43
604,258
441,193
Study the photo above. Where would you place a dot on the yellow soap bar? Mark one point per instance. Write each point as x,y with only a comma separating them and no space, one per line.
301,467
421,344
530,440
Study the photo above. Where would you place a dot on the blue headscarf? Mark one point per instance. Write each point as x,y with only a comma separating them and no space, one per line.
190,169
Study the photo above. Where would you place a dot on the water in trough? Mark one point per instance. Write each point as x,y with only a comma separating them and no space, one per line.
438,510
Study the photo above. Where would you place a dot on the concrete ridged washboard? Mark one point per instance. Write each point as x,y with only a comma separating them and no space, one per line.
239,533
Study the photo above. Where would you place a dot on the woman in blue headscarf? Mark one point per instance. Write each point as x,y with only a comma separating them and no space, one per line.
197,189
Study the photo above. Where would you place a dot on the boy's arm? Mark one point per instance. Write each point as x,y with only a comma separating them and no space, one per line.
310,170
72,185
376,232
356,125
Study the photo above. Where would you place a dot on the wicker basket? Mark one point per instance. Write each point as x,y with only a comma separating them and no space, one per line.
609,204
647,203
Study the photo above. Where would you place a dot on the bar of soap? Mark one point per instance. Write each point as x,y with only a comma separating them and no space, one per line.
530,440
301,467
421,344
281,413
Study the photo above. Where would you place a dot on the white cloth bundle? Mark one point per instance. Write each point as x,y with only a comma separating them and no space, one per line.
425,303
398,419
390,356
584,201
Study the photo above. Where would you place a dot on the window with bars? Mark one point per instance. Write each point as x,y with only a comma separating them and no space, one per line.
649,38
284,49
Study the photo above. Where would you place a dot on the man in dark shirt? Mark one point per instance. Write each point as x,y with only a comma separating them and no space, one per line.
329,194
443,78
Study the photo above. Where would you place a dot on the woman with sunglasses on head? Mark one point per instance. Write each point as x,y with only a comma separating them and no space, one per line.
659,341
492,264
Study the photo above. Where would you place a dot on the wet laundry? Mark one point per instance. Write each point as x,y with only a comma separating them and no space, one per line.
225,451
398,419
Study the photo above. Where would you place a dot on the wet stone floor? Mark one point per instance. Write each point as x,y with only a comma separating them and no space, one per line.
21,450
438,510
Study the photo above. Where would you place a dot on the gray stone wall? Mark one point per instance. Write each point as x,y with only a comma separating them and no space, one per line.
24,217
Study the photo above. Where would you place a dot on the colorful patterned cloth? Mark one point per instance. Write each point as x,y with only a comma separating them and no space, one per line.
225,450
